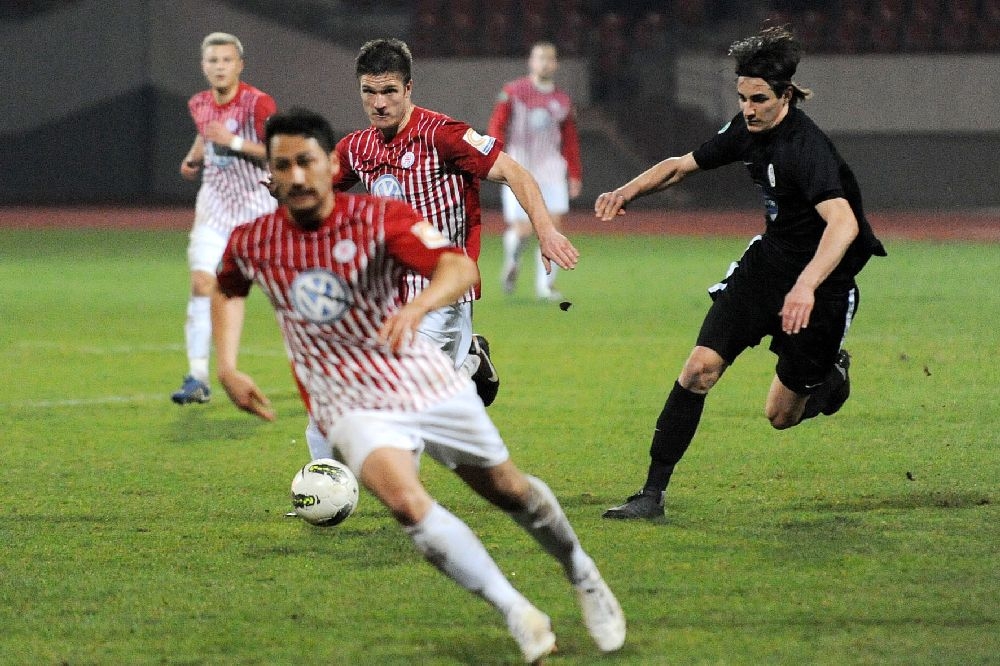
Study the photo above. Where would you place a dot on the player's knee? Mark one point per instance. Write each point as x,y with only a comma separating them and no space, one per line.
700,376
407,506
781,419
202,283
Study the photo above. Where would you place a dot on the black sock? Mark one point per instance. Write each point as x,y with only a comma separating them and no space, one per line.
675,429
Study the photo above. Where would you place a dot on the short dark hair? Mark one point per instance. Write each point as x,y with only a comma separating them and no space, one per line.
386,55
300,122
772,55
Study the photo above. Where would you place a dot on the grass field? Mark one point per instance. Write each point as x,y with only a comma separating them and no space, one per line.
137,532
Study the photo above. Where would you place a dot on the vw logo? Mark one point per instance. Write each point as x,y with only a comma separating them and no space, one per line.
320,296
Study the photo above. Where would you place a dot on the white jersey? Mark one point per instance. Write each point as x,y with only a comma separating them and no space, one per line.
231,191
332,290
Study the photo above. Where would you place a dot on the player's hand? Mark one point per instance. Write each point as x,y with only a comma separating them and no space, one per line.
216,132
245,394
398,329
797,308
610,204
556,247
190,169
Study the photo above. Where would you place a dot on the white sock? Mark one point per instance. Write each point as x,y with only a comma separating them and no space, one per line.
319,447
198,334
544,281
449,544
513,244
544,520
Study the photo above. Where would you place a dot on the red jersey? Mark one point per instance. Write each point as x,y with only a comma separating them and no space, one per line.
332,289
538,128
435,164
231,182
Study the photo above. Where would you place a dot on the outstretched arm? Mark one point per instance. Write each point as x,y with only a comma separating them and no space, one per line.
659,177
227,326
554,245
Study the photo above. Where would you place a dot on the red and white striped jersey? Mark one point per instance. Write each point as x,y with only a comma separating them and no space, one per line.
539,131
435,164
332,289
231,182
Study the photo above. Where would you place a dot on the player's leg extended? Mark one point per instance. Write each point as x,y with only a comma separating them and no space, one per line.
205,249
813,365
675,428
534,507
515,237
449,544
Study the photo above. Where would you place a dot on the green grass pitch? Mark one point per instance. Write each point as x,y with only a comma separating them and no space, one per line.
136,532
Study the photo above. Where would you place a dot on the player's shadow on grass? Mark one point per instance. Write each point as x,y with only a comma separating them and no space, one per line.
219,421
918,500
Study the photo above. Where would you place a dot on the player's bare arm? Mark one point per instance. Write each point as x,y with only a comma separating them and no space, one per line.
216,132
227,327
659,177
193,161
453,276
841,230
554,245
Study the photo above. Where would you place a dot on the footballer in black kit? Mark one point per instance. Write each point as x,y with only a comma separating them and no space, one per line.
795,282
795,167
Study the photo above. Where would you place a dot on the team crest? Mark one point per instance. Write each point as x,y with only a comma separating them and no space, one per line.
408,159
344,250
320,296
232,124
387,186
483,144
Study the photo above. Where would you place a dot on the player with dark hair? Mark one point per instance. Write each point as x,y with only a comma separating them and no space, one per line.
795,282
229,154
435,163
331,265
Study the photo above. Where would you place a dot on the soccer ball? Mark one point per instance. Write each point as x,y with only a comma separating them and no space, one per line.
324,492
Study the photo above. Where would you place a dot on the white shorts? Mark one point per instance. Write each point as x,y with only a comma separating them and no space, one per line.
556,196
454,432
450,329
205,248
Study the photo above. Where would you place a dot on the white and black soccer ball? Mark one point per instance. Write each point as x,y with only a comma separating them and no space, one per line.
324,492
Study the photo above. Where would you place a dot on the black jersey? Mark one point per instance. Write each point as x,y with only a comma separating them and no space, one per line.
795,166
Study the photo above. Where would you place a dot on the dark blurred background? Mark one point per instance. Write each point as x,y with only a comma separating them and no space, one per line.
94,103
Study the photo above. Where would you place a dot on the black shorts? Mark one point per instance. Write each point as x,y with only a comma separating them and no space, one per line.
745,309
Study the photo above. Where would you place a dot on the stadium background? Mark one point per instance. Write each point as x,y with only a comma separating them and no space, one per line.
95,105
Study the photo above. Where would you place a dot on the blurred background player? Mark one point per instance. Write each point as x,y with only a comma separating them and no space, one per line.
331,265
435,163
795,282
536,122
227,152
